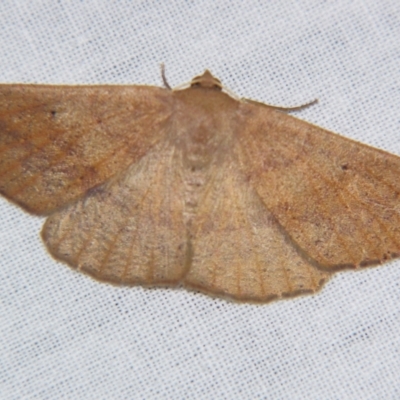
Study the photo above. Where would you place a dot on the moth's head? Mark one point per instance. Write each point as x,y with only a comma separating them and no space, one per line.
207,80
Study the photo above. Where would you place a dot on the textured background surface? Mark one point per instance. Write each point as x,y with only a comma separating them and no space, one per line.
64,335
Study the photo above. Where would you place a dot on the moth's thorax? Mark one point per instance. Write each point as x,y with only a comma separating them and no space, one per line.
204,123
204,126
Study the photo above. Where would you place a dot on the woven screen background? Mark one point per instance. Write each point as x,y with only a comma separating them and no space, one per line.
64,335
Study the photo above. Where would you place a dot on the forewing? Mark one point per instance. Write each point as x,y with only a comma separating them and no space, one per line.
239,249
337,199
56,142
130,229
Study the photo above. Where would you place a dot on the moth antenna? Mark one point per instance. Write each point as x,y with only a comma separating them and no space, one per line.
164,78
279,108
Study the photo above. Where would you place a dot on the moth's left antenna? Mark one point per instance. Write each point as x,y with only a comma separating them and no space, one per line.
164,78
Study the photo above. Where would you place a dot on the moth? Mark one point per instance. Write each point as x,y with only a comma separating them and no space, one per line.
193,187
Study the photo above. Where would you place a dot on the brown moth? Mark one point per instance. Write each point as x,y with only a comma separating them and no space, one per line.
194,188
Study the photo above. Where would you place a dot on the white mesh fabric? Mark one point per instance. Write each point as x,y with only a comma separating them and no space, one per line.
63,335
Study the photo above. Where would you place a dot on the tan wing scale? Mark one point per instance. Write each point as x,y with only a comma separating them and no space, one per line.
239,249
129,230
336,198
56,142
